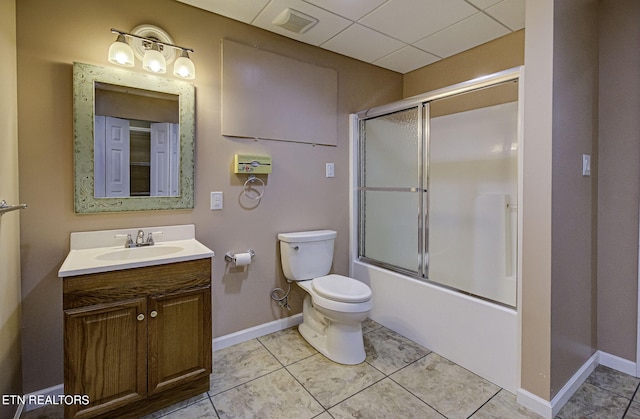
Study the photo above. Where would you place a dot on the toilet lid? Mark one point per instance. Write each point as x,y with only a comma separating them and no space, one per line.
341,288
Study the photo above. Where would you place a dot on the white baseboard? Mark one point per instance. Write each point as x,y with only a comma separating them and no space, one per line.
534,403
549,409
617,363
256,331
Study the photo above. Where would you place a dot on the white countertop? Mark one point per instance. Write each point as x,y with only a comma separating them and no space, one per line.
103,251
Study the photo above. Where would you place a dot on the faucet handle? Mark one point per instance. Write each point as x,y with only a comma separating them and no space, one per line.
140,237
129,242
150,238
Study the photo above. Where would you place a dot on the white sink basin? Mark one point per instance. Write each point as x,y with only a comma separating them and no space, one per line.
136,253
104,251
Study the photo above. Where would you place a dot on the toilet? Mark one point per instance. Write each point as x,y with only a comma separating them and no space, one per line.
334,306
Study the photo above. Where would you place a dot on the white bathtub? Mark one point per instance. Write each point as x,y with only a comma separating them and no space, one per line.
480,336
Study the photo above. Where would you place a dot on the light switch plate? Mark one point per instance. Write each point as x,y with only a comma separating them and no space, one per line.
216,201
329,170
586,165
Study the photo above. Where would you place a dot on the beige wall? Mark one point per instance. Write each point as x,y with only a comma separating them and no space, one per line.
500,54
559,225
10,356
574,197
51,35
618,174
535,303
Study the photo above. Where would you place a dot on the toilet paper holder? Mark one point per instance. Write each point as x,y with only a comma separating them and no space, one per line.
231,257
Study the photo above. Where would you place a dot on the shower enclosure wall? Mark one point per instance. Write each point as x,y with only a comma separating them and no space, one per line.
435,219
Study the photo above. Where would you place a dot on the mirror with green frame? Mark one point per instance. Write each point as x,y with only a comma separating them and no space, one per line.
133,141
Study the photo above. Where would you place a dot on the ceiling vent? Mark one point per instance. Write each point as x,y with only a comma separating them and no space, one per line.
294,21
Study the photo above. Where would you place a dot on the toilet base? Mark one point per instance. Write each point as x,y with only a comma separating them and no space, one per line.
338,341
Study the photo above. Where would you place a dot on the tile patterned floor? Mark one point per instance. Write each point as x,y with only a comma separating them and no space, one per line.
281,376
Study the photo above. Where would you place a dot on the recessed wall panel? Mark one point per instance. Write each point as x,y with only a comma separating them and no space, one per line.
269,96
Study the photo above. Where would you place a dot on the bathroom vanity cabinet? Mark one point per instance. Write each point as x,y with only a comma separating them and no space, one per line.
137,340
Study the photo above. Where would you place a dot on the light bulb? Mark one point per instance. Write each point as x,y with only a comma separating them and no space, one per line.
121,53
154,61
184,67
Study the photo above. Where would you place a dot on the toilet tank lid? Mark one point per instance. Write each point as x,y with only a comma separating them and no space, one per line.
307,236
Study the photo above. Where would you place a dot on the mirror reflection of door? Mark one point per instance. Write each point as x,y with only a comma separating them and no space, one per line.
135,158
136,143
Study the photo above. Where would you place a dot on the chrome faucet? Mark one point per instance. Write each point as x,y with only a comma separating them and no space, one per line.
129,242
140,241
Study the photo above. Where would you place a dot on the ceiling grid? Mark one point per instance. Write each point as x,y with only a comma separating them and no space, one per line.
400,35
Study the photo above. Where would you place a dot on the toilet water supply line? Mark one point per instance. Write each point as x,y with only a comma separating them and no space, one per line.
284,300
243,259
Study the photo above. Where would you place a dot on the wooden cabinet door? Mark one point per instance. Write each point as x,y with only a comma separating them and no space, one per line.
179,338
106,355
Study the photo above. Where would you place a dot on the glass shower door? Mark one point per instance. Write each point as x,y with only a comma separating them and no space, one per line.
438,188
390,183
473,192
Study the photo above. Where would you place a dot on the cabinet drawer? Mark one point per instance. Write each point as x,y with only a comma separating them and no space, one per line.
105,287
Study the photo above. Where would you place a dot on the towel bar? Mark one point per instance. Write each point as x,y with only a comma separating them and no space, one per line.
4,207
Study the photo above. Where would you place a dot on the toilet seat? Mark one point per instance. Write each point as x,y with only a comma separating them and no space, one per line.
341,288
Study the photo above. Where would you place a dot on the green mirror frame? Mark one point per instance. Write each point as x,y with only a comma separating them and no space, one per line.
84,78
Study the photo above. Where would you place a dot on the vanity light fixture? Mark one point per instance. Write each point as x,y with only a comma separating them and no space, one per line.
184,67
121,53
154,46
154,61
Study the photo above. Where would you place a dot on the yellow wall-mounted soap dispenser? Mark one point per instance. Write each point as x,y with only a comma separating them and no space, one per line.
251,164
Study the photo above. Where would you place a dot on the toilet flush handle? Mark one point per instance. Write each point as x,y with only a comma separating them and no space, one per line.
295,247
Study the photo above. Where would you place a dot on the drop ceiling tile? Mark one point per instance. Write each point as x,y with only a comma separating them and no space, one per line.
362,43
483,4
242,10
466,34
351,9
328,24
406,59
411,20
510,13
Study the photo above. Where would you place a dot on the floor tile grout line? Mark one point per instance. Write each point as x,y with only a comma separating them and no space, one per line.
245,382
412,362
282,366
305,389
271,353
411,392
357,392
215,409
418,397
614,393
631,400
485,403
278,359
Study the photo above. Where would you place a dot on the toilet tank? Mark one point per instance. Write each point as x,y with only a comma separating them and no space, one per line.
306,254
